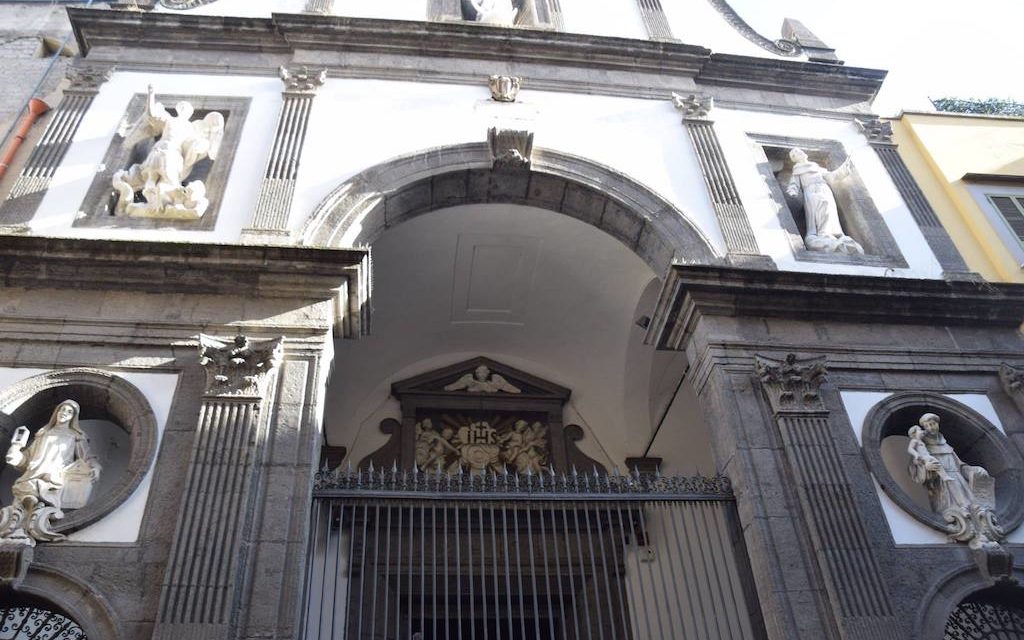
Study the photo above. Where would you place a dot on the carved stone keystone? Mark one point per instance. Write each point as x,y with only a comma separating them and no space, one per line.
504,88
510,149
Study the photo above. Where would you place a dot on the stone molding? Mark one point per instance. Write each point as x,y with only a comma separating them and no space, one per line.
391,192
312,274
101,394
285,33
690,291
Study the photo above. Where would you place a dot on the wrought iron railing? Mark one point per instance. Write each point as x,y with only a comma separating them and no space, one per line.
33,623
499,556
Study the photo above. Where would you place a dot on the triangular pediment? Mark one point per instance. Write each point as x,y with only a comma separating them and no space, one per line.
480,377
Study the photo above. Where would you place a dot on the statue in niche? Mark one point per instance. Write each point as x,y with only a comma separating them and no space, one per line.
810,181
504,13
963,494
483,381
160,179
58,472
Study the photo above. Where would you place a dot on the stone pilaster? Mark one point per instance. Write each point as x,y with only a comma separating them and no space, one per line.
732,217
880,137
654,20
273,205
860,603
202,592
1013,384
28,191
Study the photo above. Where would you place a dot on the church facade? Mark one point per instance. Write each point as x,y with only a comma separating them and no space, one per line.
523,319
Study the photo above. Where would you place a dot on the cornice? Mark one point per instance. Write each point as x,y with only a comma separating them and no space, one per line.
286,33
691,292
300,273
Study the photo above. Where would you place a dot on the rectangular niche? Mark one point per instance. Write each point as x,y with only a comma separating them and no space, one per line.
858,214
97,209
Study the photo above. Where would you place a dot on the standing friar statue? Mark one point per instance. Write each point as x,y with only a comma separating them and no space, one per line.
180,143
964,495
811,182
58,472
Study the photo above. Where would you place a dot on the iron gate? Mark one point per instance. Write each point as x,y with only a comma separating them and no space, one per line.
429,556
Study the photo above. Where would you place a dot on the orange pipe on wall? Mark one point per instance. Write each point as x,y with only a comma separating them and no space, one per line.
36,108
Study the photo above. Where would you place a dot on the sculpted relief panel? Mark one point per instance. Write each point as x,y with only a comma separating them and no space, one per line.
476,442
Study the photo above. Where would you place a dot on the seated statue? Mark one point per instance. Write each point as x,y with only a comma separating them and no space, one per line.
963,494
58,472
161,177
811,182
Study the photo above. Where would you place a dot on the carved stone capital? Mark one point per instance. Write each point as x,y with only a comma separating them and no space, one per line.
302,80
510,149
87,78
238,367
792,384
877,131
504,88
693,106
1013,383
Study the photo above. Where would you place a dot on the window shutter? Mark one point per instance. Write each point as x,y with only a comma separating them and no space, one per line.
1011,210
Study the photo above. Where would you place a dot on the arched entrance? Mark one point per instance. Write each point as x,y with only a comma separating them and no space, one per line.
361,209
991,614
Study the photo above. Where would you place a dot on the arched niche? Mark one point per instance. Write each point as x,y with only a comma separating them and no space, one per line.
49,589
106,400
965,585
976,441
361,209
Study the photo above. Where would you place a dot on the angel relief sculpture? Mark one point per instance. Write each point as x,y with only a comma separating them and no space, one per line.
483,381
58,472
156,187
476,446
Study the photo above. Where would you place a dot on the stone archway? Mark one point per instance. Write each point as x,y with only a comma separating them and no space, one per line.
362,208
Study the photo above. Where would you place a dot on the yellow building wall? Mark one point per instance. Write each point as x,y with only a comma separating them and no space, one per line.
939,149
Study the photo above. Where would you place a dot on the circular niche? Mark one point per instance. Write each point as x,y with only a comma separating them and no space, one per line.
975,440
116,418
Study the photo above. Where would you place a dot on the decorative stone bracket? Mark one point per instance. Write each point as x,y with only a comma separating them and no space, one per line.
511,150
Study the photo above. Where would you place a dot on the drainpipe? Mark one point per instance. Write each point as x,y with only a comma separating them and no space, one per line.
36,108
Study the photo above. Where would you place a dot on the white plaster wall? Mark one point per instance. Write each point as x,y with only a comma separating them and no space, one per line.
121,525
733,127
59,208
906,529
387,10
356,124
618,18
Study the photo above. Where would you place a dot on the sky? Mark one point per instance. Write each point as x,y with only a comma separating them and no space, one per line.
931,49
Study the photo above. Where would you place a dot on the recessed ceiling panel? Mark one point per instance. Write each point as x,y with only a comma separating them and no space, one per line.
493,277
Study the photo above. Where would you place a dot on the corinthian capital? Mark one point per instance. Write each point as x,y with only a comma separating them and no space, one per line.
302,80
238,367
694,107
792,384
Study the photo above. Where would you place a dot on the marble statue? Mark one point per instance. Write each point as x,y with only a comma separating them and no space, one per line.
58,472
160,179
963,494
811,182
497,12
478,446
482,381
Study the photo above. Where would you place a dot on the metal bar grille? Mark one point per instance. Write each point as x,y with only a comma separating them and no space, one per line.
414,556
32,623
